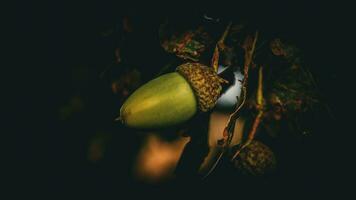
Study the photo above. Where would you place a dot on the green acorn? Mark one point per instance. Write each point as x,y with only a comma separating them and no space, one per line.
256,159
173,98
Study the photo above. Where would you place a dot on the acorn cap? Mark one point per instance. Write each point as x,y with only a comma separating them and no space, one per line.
205,82
256,159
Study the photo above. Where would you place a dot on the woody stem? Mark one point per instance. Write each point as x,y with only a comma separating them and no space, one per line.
260,108
248,60
220,44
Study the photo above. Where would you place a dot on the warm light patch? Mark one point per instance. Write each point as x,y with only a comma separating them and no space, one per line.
158,158
217,125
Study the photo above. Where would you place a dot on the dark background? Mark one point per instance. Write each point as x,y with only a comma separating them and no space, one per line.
53,153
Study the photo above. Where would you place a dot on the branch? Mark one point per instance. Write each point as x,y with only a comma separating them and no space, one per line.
260,108
229,129
219,45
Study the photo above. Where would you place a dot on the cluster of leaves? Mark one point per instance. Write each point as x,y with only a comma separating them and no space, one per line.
294,89
288,88
187,45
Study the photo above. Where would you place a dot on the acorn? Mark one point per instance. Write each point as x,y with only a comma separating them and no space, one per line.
256,159
173,98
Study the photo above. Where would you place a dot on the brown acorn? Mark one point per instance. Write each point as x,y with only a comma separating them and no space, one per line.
173,98
256,159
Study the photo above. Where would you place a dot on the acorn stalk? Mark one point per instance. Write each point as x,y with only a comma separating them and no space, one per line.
173,98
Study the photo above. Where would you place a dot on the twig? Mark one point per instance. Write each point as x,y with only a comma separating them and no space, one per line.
251,134
260,108
230,127
219,45
248,59
259,96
